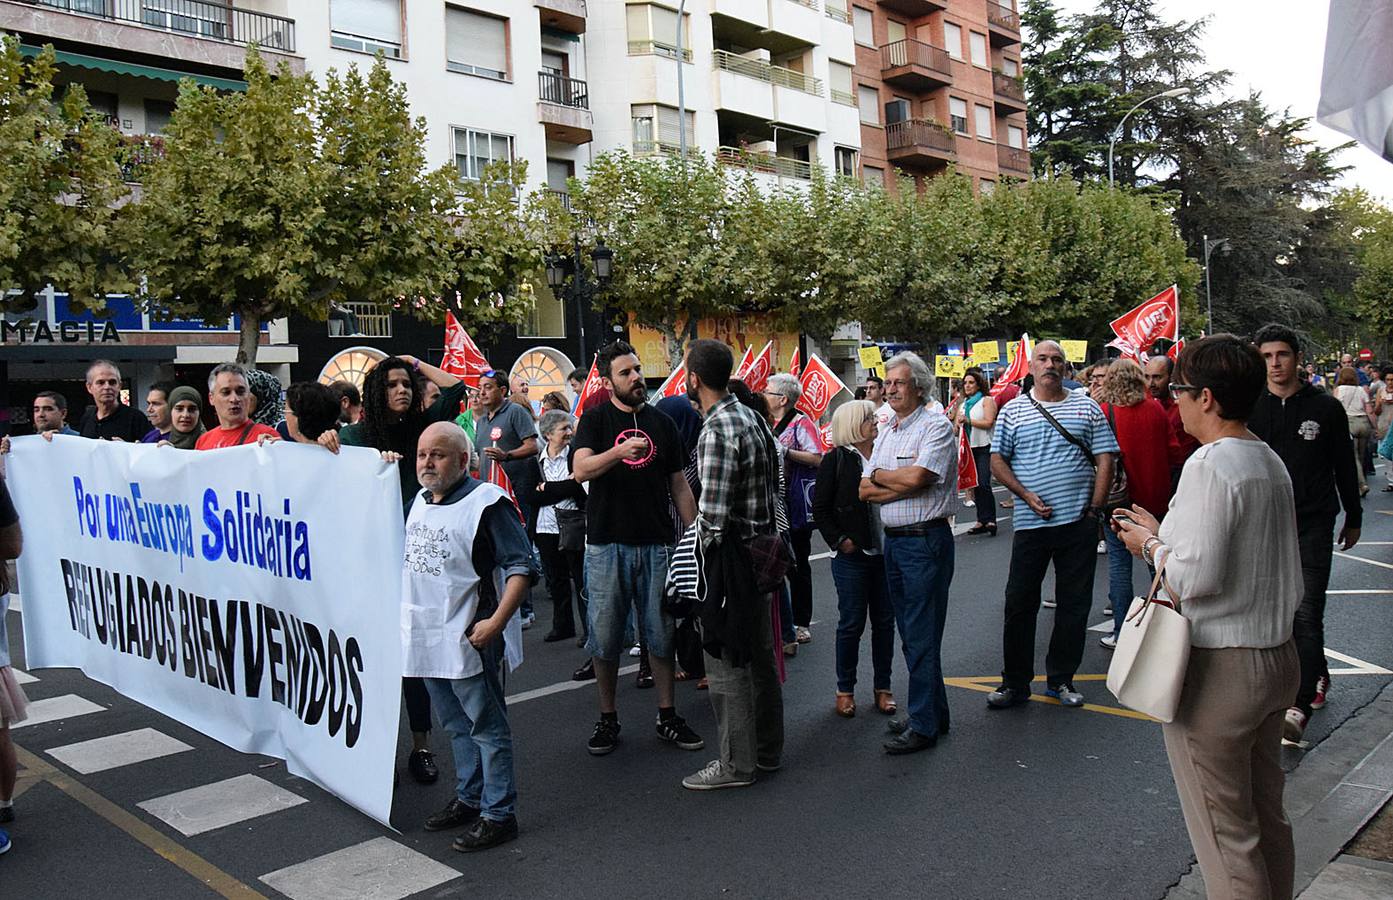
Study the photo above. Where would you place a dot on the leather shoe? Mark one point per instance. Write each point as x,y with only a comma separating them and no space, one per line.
455,814
909,742
554,636
486,833
585,672
901,725
421,764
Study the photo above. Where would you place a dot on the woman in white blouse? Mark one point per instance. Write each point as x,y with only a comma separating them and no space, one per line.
1360,411
1230,554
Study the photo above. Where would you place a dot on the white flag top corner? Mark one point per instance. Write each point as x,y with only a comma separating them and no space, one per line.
251,593
1356,87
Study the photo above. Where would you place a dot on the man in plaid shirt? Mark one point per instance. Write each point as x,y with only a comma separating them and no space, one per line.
736,463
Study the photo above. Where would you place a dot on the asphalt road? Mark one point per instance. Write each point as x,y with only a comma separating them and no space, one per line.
1039,801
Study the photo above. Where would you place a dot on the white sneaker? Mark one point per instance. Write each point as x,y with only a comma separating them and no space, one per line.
1109,641
1066,695
636,650
1107,610
969,503
527,621
803,634
1048,604
716,776
1102,548
1294,726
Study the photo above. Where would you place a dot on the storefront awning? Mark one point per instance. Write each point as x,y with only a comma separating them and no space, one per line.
119,67
28,353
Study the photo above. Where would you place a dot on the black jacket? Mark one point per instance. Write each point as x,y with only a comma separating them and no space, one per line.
730,609
838,508
1310,432
554,492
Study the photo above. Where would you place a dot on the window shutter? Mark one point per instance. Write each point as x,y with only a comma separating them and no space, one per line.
475,40
378,19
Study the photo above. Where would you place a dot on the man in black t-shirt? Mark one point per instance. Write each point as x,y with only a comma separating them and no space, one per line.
633,458
110,419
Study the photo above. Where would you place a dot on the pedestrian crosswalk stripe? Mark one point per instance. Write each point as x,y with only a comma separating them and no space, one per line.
1372,562
380,868
53,709
1364,591
22,676
117,750
1357,666
221,803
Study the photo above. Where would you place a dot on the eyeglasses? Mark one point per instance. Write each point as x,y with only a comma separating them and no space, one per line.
1178,389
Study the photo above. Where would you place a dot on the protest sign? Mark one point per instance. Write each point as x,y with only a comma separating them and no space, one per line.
949,366
870,357
986,352
1075,351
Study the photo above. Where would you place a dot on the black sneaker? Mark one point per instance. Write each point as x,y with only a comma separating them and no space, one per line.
677,731
1007,696
455,814
604,739
486,833
585,672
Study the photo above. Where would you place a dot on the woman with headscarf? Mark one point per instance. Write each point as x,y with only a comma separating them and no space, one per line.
266,388
186,417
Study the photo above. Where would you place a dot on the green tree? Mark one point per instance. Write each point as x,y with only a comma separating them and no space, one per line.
288,197
60,183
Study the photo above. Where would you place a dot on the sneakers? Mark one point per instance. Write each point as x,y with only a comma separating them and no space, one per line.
585,672
1294,726
1102,548
1107,610
1109,641
7,815
604,739
486,833
677,731
635,650
791,648
716,776
1048,604
1005,696
1317,702
803,634
528,620
1064,692
4,841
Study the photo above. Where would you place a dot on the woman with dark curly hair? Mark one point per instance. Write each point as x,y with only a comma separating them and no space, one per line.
393,419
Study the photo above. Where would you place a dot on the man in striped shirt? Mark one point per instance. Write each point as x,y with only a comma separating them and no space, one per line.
1053,448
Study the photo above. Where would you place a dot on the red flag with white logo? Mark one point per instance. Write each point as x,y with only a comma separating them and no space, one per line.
499,477
676,384
824,437
1139,328
1017,370
593,392
1174,351
795,364
462,359
761,366
967,466
744,365
820,385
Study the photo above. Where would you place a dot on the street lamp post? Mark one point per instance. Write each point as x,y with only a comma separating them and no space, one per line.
1173,92
582,291
1210,247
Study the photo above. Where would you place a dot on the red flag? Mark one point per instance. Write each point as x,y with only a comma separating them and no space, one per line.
967,466
676,384
820,385
1142,326
1174,351
1017,370
757,373
795,364
745,362
462,359
593,391
499,477
824,436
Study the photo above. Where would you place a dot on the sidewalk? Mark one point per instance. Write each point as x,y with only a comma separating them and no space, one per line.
1336,790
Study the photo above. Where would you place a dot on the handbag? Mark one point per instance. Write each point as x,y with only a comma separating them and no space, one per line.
1153,651
1119,494
570,525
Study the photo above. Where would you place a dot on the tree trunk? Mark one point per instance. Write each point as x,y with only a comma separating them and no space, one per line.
248,339
675,344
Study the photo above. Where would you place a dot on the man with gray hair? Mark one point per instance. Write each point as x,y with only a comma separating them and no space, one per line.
230,396
1054,449
110,419
911,476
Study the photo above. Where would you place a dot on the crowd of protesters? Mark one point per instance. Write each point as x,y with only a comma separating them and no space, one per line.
681,532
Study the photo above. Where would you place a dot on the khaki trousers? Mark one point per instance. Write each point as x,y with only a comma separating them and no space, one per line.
1225,753
749,703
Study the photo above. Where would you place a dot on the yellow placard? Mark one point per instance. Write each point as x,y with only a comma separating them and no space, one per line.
949,366
879,371
1075,351
986,351
870,356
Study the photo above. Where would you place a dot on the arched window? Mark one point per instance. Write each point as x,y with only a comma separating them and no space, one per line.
352,365
545,368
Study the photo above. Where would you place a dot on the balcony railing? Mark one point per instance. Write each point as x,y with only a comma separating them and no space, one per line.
199,18
562,197
919,133
658,48
563,91
1002,16
1012,159
810,4
846,98
1008,86
836,9
917,54
370,320
138,152
783,166
763,71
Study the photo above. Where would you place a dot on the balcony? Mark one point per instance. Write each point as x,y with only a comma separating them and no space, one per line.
1009,92
564,108
915,65
360,320
766,163
837,10
563,15
195,18
759,70
919,143
914,8
1003,24
560,196
1012,161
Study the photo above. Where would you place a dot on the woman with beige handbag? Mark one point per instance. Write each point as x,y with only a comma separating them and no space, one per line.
1229,551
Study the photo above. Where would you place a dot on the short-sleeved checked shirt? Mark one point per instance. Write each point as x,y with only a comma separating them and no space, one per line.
739,476
925,439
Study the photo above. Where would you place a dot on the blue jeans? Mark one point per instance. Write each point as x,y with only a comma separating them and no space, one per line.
1120,589
918,571
860,581
621,577
473,713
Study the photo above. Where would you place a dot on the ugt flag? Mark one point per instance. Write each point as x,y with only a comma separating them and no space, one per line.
1139,328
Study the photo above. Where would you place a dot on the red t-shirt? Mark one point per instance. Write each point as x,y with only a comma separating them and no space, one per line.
218,438
1143,433
1182,442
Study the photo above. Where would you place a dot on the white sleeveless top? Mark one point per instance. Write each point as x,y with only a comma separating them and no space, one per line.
440,589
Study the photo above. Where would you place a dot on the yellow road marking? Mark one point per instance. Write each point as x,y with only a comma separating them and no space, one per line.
987,685
210,875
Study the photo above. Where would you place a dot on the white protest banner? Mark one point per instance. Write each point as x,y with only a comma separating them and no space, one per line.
252,593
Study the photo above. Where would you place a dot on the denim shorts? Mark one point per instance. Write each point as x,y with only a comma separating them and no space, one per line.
621,577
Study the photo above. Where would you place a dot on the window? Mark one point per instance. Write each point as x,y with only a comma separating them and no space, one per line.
653,29
868,101
839,78
984,121
861,23
351,365
157,115
897,110
544,368
953,40
207,19
656,129
476,44
1010,66
977,45
873,175
546,319
1015,137
367,26
894,31
985,186
103,104
476,149
957,114
847,159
